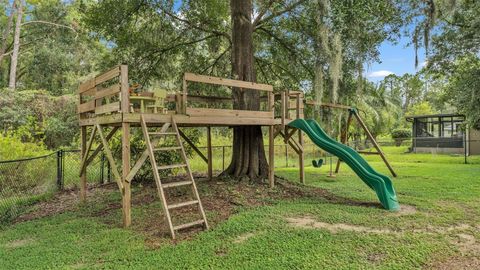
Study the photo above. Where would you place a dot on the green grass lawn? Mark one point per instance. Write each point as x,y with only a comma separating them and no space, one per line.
343,226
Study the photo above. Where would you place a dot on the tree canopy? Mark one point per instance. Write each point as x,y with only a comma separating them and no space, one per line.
320,47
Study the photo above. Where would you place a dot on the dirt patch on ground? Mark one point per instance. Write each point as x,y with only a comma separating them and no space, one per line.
60,203
406,210
456,263
242,238
309,222
64,201
19,243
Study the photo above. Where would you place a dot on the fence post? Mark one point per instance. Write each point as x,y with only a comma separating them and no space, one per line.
109,173
102,169
223,157
59,169
286,155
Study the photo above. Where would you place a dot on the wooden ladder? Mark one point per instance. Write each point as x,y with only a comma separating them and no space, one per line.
152,147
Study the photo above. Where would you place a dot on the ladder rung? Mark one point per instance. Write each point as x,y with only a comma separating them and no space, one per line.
167,148
165,167
176,184
182,204
187,225
162,133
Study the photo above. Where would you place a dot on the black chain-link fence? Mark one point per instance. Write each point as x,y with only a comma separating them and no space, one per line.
22,182
26,181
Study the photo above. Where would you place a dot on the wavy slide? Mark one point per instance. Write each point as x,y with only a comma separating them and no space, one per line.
381,184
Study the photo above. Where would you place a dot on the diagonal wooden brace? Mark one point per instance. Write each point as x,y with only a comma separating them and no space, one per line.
89,146
290,134
110,158
99,148
202,156
297,147
143,158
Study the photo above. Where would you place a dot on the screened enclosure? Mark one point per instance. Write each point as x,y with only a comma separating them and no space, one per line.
441,131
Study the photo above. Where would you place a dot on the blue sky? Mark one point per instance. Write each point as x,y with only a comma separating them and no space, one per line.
395,58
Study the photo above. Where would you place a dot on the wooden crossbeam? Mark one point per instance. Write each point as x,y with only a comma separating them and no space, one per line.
110,158
87,150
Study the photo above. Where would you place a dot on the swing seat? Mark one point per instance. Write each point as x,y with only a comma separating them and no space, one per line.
317,163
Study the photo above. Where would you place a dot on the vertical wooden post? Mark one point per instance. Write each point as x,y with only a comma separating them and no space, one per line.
344,138
125,108
282,109
184,96
178,103
83,176
127,191
209,153
301,154
124,94
271,156
301,157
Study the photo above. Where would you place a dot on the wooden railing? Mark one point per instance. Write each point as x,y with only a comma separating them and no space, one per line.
291,105
104,94
184,98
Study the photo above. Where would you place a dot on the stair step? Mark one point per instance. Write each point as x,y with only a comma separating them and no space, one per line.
176,184
182,204
165,167
162,133
187,225
167,148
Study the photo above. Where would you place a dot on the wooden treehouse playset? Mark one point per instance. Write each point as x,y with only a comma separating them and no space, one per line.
109,104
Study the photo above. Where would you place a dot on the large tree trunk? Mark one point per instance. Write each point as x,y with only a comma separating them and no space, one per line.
248,157
16,47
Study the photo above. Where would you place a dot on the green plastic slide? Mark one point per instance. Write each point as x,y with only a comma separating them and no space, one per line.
381,184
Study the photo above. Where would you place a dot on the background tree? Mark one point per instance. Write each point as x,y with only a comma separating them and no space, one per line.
16,44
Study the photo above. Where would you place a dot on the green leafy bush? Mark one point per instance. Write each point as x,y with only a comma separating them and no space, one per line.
12,147
400,135
37,116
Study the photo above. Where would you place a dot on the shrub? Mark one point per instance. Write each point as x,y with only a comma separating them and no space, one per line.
37,116
12,147
400,135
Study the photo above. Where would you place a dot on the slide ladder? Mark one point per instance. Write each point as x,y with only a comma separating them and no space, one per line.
381,184
153,145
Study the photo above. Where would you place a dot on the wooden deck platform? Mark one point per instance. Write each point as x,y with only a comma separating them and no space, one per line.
182,120
105,100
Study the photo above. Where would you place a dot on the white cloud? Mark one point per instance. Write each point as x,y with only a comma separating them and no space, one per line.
379,74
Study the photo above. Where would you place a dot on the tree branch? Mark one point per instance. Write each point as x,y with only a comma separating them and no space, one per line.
52,23
279,13
262,13
216,60
198,27
292,51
